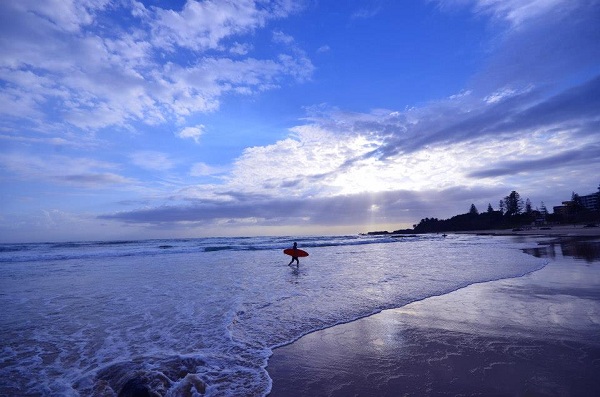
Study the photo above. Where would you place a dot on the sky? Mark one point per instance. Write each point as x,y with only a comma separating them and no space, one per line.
126,119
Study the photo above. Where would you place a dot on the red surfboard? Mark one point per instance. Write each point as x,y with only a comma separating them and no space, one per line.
297,252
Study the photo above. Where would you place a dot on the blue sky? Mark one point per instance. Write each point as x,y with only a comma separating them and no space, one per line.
126,119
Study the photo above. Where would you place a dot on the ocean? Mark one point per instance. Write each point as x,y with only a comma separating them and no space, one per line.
202,316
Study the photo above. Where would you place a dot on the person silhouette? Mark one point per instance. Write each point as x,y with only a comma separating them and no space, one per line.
295,256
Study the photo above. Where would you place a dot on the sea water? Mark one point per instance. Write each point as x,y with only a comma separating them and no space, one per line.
201,316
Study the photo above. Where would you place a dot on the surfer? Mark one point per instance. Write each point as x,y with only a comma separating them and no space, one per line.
295,256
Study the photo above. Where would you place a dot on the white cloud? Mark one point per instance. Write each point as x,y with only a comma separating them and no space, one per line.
152,160
192,133
203,169
78,172
65,15
280,37
202,25
298,166
58,142
366,13
437,146
499,95
240,49
516,12
60,65
519,11
205,25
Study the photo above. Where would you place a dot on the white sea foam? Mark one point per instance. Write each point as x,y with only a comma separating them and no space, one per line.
177,316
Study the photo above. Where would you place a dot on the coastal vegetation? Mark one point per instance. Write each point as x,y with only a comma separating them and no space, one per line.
513,213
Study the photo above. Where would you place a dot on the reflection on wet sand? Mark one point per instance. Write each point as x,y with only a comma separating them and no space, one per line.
578,248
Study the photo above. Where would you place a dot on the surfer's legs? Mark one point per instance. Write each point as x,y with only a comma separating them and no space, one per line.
292,261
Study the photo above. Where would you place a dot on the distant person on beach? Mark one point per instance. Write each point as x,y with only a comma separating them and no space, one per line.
295,256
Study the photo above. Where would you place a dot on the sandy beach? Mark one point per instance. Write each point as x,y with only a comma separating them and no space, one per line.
537,335
550,231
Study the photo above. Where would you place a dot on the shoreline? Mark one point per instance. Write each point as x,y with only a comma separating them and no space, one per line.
501,337
575,231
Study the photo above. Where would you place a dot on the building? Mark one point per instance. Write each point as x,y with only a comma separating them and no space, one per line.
568,209
591,201
565,210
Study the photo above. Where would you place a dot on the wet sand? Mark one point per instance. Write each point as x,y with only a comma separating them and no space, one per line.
549,231
538,335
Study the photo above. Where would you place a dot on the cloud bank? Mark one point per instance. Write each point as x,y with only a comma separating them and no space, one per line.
347,169
61,60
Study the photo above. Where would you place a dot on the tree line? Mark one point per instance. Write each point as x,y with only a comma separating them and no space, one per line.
512,212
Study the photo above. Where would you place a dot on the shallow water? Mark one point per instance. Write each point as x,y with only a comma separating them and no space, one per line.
178,317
